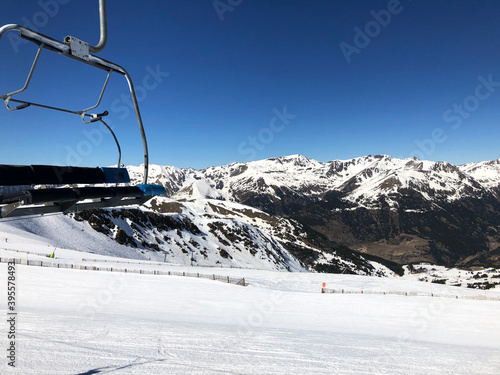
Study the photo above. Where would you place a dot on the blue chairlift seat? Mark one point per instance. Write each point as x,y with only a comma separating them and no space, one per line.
66,199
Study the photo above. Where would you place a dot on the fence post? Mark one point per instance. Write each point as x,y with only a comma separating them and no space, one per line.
228,279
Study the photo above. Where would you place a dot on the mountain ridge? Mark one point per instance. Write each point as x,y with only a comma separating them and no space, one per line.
405,210
363,177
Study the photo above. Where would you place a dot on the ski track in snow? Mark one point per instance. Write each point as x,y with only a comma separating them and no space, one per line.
89,322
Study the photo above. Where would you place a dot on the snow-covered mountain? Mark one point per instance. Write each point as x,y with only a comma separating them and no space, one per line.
401,209
486,172
212,232
199,233
361,181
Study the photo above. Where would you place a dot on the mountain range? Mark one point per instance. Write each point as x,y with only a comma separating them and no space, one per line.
400,210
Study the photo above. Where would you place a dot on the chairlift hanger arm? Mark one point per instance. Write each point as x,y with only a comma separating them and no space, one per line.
103,26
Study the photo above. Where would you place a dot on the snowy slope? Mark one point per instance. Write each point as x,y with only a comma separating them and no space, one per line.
177,238
201,232
279,324
287,232
486,172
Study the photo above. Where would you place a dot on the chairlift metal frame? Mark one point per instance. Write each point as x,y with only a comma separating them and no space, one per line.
81,51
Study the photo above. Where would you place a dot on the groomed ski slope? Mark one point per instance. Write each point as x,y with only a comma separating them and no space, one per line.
94,322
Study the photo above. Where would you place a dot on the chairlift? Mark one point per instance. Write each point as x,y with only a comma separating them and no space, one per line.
31,201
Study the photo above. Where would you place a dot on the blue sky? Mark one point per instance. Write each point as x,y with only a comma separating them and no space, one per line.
239,80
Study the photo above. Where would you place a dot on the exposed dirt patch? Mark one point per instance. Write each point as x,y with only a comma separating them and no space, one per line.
402,249
166,207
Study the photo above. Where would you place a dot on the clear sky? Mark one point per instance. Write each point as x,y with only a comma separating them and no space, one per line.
239,80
